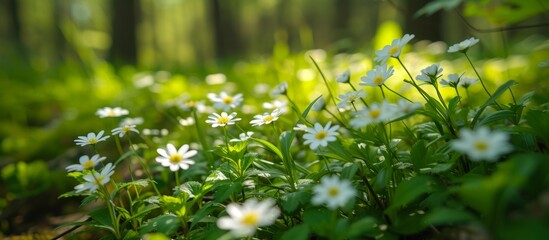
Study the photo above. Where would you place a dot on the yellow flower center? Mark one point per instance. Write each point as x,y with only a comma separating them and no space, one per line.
92,140
111,113
190,104
223,120
176,158
481,145
321,135
98,180
393,50
378,80
375,113
126,129
333,191
87,165
250,219
268,118
227,99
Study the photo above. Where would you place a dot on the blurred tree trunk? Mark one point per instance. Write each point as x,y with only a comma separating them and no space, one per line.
14,30
424,27
225,33
123,32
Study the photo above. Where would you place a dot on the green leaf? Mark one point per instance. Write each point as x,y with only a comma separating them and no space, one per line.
349,171
286,139
191,188
418,155
497,116
299,232
437,5
166,224
102,216
539,121
225,188
409,190
362,226
204,211
492,99
269,146
291,201
446,216
124,156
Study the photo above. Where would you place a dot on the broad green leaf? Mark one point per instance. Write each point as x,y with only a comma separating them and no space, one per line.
225,188
166,224
409,190
418,155
191,188
102,216
362,226
204,211
501,89
298,232
497,116
446,216
291,201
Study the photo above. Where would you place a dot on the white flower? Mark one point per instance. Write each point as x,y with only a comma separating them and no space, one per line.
320,136
281,105
111,112
121,131
224,101
350,97
392,50
319,105
466,82
543,64
131,121
222,120
266,118
453,80
482,144
301,127
242,137
192,105
430,74
95,179
243,220
91,139
86,163
280,89
463,46
375,113
333,192
377,76
405,107
174,158
344,77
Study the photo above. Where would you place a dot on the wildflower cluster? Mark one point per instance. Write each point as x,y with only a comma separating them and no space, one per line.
373,163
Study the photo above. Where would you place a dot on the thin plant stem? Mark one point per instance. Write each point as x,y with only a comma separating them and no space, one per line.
176,179
118,145
144,166
478,75
354,89
398,94
202,140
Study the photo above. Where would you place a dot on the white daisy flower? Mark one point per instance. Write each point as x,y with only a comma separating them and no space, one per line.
175,158
333,192
266,118
301,127
344,77
377,76
91,139
375,113
95,179
224,101
243,220
392,50
430,74
131,121
405,107
280,89
242,137
86,163
350,97
111,112
466,82
482,144
190,105
222,120
320,136
281,105
121,131
452,81
463,46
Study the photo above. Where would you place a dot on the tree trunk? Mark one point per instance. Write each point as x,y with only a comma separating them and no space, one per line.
123,32
424,27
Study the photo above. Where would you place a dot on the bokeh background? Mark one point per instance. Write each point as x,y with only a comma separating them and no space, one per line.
60,60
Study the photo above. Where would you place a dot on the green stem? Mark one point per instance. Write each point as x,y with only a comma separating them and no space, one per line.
144,166
478,75
398,94
202,140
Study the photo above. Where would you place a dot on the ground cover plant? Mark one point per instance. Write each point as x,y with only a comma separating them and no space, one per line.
401,150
